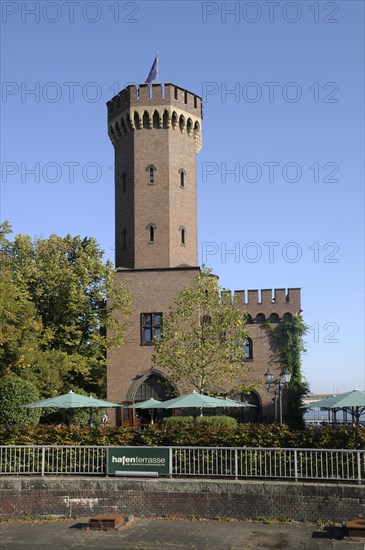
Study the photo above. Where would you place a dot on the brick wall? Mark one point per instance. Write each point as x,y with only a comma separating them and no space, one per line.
237,499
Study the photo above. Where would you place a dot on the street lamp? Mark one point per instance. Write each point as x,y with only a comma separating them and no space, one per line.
280,383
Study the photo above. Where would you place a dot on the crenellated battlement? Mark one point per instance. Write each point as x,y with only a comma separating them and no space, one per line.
157,106
267,304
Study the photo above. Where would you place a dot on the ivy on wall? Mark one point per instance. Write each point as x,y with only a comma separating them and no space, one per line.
288,345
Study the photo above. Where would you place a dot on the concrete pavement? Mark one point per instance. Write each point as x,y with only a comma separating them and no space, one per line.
172,534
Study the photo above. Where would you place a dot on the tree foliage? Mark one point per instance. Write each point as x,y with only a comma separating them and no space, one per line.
15,392
288,345
55,311
203,338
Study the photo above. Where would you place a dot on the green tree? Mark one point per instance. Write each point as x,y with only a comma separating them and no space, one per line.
67,282
20,325
15,392
203,338
288,345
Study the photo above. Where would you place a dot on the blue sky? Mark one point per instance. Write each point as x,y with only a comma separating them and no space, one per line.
291,130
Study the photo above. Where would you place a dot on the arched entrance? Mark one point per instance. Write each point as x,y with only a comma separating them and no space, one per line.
249,414
147,385
156,386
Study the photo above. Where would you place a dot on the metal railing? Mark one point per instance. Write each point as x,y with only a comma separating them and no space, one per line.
218,462
52,460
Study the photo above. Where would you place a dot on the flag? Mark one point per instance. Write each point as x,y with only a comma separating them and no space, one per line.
153,72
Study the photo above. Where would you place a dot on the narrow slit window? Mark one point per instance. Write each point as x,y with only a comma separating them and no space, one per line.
151,230
182,178
124,239
182,236
151,174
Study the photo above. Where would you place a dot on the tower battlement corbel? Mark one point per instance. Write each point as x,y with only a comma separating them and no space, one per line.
155,106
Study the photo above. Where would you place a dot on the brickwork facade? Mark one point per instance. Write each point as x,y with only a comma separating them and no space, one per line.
156,133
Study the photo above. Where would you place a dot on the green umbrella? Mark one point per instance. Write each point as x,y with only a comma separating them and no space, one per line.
199,401
144,404
72,400
149,404
233,403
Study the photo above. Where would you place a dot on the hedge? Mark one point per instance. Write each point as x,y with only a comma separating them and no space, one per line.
200,434
184,421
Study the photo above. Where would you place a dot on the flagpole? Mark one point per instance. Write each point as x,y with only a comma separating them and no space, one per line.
156,65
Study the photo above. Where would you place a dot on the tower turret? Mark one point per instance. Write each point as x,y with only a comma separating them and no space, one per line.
156,133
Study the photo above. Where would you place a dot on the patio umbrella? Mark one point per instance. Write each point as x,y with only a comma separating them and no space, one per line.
149,404
233,403
72,400
199,401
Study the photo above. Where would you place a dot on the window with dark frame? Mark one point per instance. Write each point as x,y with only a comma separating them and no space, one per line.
247,349
151,326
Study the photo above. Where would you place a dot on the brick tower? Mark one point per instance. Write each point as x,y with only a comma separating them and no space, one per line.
156,137
156,133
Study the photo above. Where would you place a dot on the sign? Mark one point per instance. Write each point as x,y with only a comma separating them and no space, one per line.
138,459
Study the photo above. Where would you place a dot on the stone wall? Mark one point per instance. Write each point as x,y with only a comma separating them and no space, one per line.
36,497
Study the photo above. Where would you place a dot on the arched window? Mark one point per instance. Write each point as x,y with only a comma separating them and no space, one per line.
260,318
182,123
146,120
156,120
174,120
151,232
189,126
274,318
182,178
155,386
165,119
151,169
136,121
196,129
206,320
247,349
